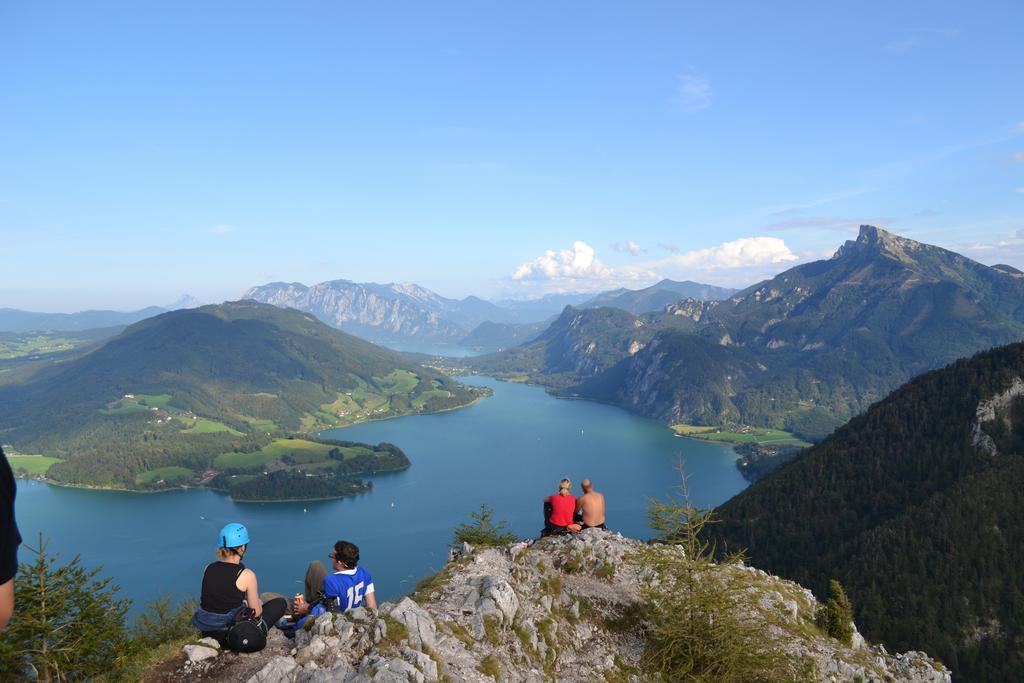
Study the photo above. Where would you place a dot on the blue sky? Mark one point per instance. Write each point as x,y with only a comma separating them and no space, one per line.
500,149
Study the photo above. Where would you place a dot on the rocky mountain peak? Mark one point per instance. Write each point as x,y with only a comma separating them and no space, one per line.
567,608
877,241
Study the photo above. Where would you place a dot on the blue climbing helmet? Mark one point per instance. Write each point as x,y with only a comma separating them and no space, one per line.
232,536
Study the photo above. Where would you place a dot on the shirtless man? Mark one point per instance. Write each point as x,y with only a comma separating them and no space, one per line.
590,506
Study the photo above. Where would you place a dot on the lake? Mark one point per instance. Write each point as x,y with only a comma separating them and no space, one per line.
508,450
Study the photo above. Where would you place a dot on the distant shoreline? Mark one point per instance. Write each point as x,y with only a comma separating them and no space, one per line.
92,487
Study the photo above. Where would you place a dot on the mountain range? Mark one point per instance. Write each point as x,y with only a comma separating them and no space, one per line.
804,350
915,507
386,312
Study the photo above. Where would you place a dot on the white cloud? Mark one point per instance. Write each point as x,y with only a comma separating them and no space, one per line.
221,229
694,93
741,253
578,269
576,263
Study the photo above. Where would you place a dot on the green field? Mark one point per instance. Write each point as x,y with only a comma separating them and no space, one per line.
398,382
301,450
774,437
35,465
37,345
422,399
690,430
201,425
170,475
140,403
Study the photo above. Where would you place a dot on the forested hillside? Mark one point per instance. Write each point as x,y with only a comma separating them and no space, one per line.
176,390
917,508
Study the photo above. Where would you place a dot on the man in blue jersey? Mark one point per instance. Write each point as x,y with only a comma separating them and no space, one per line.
350,585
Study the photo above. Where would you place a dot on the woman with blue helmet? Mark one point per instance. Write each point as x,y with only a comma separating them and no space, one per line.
228,586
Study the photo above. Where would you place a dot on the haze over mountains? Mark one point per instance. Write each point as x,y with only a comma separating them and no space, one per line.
13,320
805,350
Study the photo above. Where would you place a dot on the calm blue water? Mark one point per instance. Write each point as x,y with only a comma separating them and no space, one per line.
509,450
416,346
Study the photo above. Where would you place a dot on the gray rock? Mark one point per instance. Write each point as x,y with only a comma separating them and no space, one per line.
211,642
314,650
359,614
199,653
387,670
422,662
497,597
277,670
422,629
323,626
302,638
344,628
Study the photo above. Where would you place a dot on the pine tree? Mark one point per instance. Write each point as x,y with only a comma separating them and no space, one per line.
68,624
836,615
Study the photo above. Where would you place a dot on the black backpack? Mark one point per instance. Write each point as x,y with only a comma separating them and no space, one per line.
247,634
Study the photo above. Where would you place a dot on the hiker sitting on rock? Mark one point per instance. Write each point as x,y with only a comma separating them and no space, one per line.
590,507
559,509
229,587
349,587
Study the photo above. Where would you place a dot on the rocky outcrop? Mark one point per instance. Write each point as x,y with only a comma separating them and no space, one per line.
563,608
987,412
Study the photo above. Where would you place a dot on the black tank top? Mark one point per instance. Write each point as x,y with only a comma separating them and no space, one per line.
220,594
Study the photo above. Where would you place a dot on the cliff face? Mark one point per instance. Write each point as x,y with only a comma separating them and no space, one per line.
566,608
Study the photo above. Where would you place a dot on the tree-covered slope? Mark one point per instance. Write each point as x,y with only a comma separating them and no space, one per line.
178,389
916,507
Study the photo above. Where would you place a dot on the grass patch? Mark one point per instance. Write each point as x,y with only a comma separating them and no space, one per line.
397,632
261,425
301,450
429,585
170,475
688,430
551,586
459,632
492,629
398,382
489,666
768,437
32,465
203,426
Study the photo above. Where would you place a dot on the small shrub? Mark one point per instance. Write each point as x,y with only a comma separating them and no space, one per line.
551,586
483,531
163,622
489,666
492,629
700,617
835,617
606,571
70,625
